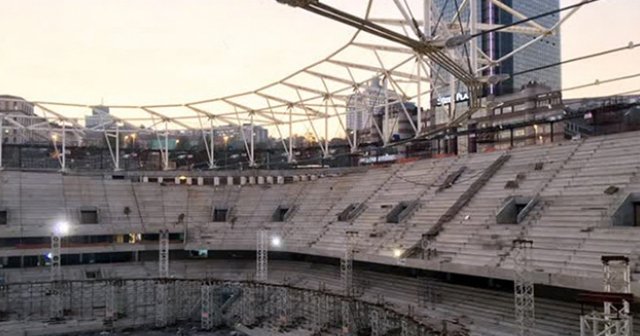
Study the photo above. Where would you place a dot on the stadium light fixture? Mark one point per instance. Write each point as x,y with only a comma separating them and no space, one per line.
61,228
276,241
397,253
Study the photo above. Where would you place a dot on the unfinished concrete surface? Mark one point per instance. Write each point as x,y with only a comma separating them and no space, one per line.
570,224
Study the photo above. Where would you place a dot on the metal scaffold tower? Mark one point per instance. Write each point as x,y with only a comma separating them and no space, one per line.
164,303
523,287
56,271
113,304
374,321
163,250
346,273
164,292
346,263
616,319
57,306
210,314
262,255
248,304
283,303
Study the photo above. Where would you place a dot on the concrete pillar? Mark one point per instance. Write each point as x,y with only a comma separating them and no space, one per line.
260,179
216,181
269,179
229,180
252,180
243,180
304,178
176,180
314,177
200,181
296,178
160,179
280,180
189,180
145,179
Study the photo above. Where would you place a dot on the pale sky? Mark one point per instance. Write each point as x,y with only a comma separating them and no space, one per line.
161,51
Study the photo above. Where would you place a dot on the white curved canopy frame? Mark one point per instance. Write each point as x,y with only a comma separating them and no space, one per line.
409,53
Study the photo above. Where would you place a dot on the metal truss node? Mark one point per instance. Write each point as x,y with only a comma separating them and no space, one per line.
523,287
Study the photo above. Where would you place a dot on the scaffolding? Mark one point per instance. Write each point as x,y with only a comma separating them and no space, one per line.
207,312
523,287
346,263
164,303
137,302
248,305
616,318
262,255
163,250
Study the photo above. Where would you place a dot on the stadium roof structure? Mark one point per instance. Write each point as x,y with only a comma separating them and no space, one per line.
416,56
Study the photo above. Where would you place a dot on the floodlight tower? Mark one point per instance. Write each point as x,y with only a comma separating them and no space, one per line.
164,292
346,273
617,279
616,320
262,252
60,230
523,288
163,250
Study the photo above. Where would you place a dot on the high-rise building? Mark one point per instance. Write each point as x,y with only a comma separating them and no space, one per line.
498,44
362,104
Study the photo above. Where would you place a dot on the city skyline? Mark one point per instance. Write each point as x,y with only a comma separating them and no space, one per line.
129,57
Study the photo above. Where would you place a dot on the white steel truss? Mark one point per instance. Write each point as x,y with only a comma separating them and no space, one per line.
523,287
415,55
616,318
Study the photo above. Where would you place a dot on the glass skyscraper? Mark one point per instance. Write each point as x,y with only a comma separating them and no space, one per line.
495,45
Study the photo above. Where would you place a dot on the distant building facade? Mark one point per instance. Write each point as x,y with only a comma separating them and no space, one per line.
99,117
21,112
236,133
363,104
498,44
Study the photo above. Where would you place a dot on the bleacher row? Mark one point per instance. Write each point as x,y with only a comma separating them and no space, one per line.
473,311
569,224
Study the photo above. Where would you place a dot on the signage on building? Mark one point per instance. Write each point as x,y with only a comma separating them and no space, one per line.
446,100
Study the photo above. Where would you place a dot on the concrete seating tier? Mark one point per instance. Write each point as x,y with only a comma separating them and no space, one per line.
569,224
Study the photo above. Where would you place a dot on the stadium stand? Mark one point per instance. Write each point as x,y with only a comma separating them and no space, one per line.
467,210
